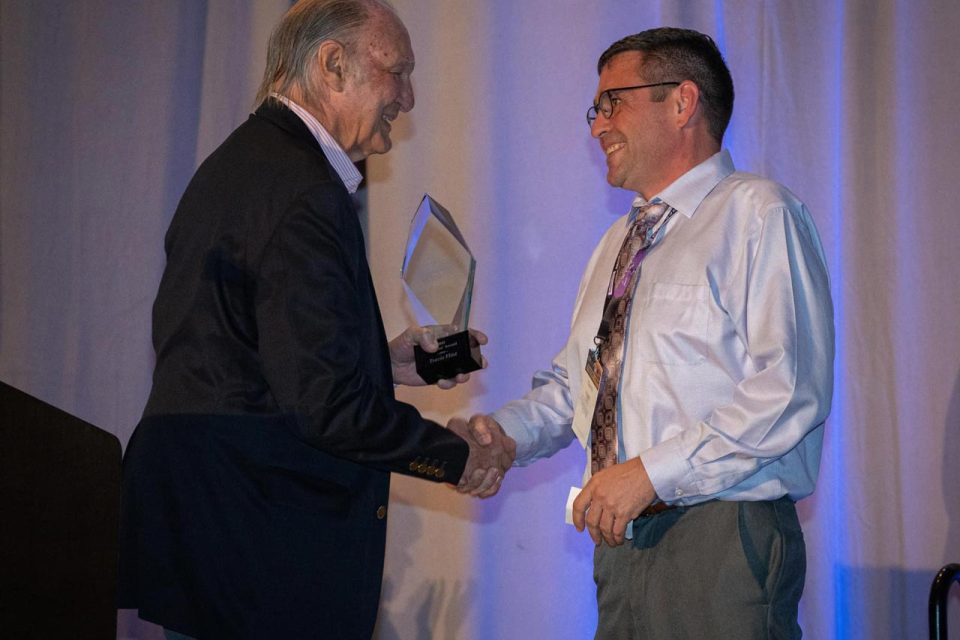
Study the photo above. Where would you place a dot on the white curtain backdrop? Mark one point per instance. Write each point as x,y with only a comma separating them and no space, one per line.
106,108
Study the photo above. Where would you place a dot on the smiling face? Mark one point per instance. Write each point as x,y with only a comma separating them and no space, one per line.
639,138
377,87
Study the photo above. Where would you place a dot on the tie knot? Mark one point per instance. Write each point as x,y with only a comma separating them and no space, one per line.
651,212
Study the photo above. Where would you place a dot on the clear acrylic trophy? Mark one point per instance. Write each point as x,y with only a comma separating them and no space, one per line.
437,273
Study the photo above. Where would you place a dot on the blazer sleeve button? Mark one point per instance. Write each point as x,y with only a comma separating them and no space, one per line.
381,512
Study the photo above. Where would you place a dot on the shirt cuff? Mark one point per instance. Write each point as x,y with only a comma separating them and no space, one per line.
512,423
669,472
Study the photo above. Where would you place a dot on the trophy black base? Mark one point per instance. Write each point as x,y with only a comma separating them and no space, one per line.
458,353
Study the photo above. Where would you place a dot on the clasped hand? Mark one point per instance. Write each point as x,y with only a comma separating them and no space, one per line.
492,453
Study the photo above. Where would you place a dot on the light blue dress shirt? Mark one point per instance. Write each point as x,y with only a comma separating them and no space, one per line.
728,364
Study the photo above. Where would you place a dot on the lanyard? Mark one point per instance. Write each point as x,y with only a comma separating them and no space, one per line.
619,286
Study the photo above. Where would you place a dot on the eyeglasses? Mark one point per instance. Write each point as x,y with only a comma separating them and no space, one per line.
605,103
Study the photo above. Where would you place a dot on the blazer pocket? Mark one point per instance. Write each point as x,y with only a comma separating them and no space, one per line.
672,325
304,492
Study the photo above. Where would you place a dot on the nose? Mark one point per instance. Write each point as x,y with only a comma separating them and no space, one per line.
406,96
600,126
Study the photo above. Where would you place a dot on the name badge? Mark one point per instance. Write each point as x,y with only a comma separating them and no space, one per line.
587,400
593,367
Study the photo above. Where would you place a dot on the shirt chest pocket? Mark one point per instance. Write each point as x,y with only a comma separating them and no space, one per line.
671,325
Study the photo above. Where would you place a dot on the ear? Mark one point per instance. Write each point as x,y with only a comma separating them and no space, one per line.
331,59
687,100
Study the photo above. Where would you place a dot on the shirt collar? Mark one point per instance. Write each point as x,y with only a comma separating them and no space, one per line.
331,148
687,192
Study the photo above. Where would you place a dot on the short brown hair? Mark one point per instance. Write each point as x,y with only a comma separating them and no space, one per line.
671,54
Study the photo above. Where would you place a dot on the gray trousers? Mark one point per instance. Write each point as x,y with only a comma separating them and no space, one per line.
719,570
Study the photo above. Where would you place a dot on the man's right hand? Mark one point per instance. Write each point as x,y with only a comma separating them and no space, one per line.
492,453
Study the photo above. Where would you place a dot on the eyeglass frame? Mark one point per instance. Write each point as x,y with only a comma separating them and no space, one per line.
595,107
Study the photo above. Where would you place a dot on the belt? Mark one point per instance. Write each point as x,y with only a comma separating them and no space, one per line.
655,508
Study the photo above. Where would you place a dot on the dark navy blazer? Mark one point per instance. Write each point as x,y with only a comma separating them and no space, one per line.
255,487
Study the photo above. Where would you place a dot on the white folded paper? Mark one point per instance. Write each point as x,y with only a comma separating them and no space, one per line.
574,492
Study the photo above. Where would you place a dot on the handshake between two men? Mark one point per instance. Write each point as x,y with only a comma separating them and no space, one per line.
611,498
492,451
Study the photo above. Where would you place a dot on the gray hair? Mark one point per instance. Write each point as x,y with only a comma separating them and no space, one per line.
291,52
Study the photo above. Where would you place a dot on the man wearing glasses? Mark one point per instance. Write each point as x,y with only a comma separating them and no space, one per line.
698,371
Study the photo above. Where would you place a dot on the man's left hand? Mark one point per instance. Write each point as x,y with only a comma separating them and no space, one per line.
402,360
613,497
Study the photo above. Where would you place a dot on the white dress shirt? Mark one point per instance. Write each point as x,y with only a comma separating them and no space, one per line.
728,366
335,154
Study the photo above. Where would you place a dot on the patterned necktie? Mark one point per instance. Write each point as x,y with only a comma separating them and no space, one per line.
603,430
